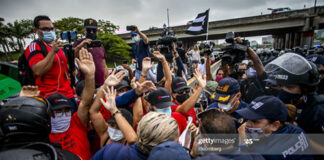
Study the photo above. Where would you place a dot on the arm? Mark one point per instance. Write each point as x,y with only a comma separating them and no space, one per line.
190,102
81,45
208,72
137,111
166,68
142,35
106,69
87,67
122,123
45,64
130,72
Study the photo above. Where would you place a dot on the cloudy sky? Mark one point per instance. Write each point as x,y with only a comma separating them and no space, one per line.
143,13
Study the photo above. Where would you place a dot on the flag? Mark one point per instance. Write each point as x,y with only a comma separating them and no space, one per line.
200,24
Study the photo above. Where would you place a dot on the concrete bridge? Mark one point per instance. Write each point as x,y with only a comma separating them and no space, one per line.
289,29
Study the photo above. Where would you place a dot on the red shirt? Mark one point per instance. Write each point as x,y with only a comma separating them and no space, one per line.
181,120
57,79
191,112
75,139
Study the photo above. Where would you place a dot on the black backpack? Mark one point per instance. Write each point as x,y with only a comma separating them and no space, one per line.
25,73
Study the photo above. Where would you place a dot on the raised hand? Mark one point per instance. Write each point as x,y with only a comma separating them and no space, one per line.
199,78
85,62
159,56
144,87
56,45
29,91
133,83
146,64
110,95
114,78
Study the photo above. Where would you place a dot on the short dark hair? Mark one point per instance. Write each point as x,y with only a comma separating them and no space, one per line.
39,18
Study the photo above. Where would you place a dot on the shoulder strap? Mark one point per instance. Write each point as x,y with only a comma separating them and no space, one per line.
43,50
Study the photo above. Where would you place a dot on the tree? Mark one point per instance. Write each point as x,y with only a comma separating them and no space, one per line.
19,30
69,24
106,27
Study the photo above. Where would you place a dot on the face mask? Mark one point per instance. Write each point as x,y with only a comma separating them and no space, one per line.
49,36
120,94
288,98
115,134
92,36
60,123
218,78
250,73
255,133
181,98
167,111
228,106
135,39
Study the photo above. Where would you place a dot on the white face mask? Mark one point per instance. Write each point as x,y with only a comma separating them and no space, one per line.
255,133
120,94
167,111
227,107
135,39
61,122
115,134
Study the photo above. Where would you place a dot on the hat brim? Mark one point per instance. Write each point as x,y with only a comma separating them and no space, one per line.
249,114
56,107
124,86
180,88
222,98
271,81
164,105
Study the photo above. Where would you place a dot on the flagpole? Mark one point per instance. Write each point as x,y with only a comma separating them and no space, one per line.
168,17
207,26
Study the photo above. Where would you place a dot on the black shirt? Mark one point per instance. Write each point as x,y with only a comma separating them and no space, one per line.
182,54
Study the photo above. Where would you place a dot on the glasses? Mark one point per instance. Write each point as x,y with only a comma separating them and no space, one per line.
187,90
89,30
47,29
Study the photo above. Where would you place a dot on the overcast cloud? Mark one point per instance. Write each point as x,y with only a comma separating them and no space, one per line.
143,13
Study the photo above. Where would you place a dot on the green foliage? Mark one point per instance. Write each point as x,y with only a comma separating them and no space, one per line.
69,24
115,46
106,27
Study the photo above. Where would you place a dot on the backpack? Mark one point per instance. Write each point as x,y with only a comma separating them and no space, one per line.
25,73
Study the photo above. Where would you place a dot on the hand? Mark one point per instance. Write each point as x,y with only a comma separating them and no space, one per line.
159,56
193,128
110,95
146,64
136,29
56,45
144,87
239,40
85,62
114,79
85,42
133,83
199,78
29,91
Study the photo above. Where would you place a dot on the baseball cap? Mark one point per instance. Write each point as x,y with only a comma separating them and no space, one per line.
268,107
161,98
133,33
123,83
90,23
126,114
226,89
58,101
169,150
211,87
178,83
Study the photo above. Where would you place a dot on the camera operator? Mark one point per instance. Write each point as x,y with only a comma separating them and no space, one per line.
98,53
140,49
183,54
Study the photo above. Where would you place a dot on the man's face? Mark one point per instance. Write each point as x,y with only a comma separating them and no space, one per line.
292,89
220,73
180,92
123,90
242,67
262,123
44,26
61,112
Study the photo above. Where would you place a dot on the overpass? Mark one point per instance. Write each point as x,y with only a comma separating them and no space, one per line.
289,29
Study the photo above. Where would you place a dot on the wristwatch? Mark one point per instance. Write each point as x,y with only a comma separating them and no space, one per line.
113,115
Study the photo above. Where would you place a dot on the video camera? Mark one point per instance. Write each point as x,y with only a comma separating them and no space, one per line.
234,52
166,44
206,48
69,52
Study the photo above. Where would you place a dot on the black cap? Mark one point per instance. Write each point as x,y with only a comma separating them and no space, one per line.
90,23
122,84
126,114
268,107
58,101
178,83
161,98
226,89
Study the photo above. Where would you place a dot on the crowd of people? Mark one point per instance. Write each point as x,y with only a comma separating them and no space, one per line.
268,106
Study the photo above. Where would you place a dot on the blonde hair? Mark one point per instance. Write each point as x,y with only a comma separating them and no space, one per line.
155,128
196,48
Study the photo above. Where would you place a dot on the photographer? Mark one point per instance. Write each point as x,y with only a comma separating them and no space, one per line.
98,53
140,48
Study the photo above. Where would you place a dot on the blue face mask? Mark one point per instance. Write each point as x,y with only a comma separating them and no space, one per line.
167,111
49,36
135,39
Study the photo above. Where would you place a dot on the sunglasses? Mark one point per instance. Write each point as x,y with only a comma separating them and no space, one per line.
93,30
187,90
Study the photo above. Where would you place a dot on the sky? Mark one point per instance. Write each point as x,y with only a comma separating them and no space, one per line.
144,13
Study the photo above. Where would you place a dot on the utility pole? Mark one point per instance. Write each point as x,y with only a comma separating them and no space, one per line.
168,18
